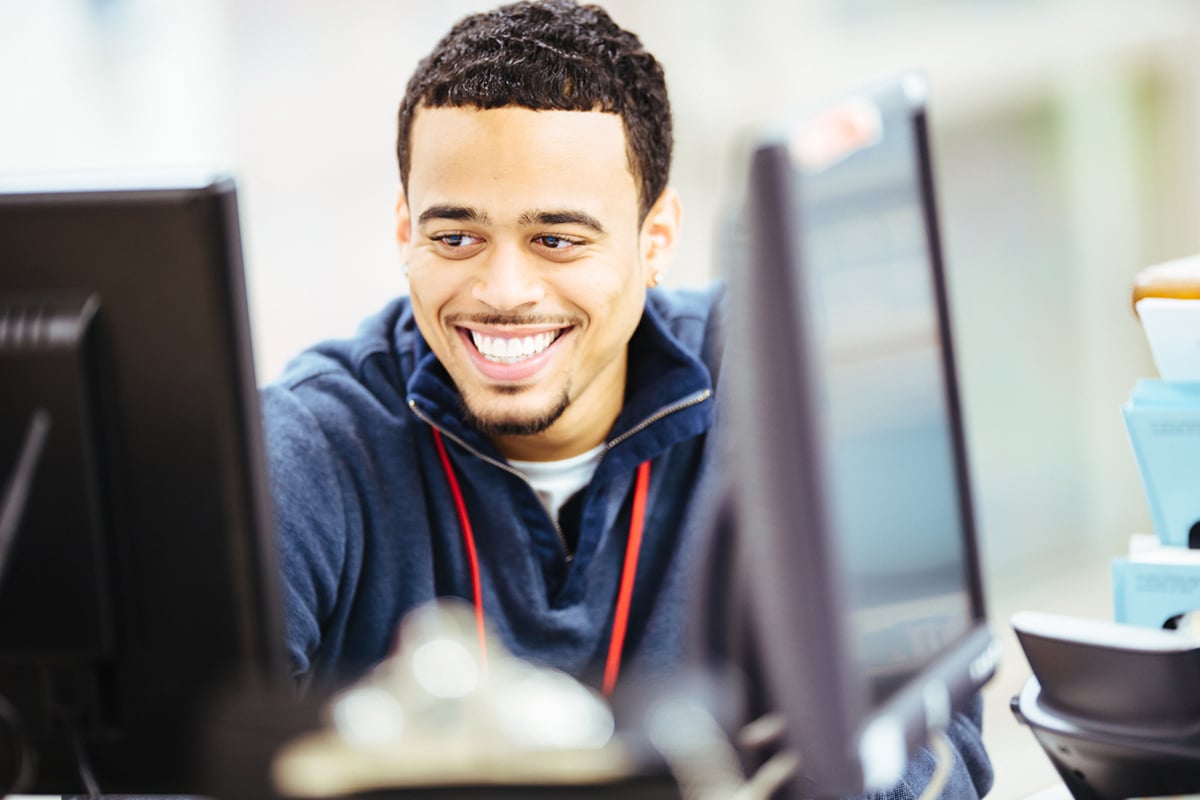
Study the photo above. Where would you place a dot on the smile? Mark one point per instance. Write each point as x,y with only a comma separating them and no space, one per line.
502,350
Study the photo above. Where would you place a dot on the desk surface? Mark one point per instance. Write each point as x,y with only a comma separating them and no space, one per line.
1053,793
1080,587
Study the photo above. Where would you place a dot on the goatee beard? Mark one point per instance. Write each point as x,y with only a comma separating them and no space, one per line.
529,426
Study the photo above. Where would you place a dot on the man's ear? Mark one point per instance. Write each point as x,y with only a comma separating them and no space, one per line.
660,236
403,219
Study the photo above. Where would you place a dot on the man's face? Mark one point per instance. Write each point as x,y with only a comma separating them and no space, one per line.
528,268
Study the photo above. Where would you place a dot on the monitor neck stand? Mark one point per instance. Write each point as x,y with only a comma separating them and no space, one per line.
12,509
16,490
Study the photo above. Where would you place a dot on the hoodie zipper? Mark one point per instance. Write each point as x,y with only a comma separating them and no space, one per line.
665,411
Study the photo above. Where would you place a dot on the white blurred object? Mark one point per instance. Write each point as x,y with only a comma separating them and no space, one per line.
432,714
1172,327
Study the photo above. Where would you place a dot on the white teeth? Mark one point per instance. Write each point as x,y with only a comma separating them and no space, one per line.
507,351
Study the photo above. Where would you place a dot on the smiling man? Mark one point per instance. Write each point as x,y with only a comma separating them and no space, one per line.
531,429
534,416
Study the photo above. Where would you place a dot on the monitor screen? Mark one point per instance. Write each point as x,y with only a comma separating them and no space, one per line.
138,571
883,402
852,490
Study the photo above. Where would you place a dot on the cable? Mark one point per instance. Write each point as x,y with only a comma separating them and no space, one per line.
776,770
943,756
774,773
20,483
82,762
699,755
763,731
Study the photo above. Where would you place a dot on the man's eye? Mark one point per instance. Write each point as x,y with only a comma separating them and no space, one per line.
552,242
455,239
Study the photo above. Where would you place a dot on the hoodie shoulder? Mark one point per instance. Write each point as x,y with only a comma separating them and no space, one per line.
381,349
696,317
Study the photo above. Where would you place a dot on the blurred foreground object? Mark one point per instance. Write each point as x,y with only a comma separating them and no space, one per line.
438,720
1178,279
432,715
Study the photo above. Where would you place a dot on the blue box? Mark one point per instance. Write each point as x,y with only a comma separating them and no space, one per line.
1163,421
1152,587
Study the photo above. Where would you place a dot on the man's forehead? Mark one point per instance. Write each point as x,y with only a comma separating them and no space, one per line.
516,133
515,162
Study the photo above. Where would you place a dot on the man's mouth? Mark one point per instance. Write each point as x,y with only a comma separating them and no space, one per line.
511,350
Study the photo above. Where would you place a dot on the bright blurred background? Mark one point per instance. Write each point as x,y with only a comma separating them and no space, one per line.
1066,135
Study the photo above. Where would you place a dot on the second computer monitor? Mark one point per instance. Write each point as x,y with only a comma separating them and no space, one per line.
852,490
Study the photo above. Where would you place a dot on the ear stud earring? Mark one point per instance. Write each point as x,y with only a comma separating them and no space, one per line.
656,278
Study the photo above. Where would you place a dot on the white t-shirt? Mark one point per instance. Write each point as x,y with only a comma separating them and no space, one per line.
556,481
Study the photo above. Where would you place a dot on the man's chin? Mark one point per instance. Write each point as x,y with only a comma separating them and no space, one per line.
529,422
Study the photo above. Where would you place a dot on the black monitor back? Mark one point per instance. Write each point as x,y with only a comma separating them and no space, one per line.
853,511
141,580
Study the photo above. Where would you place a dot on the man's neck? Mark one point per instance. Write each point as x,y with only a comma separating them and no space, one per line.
549,445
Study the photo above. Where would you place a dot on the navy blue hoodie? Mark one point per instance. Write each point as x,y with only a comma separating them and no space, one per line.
369,530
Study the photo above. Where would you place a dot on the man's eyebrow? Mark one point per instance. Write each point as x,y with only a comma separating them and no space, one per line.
561,217
462,213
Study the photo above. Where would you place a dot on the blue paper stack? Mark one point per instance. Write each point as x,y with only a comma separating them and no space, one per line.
1163,420
1160,580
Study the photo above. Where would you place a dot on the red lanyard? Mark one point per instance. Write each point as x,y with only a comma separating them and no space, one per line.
612,666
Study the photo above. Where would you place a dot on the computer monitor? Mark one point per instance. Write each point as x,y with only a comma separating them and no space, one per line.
853,519
138,575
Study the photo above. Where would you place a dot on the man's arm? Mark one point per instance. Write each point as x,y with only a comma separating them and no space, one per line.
310,520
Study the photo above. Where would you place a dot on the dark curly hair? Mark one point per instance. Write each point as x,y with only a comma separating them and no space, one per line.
550,55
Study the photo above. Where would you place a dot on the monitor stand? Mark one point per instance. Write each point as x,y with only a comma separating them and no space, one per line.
16,488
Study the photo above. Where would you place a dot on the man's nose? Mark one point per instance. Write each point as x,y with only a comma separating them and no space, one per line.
508,279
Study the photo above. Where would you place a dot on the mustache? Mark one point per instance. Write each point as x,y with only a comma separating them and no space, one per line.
499,320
